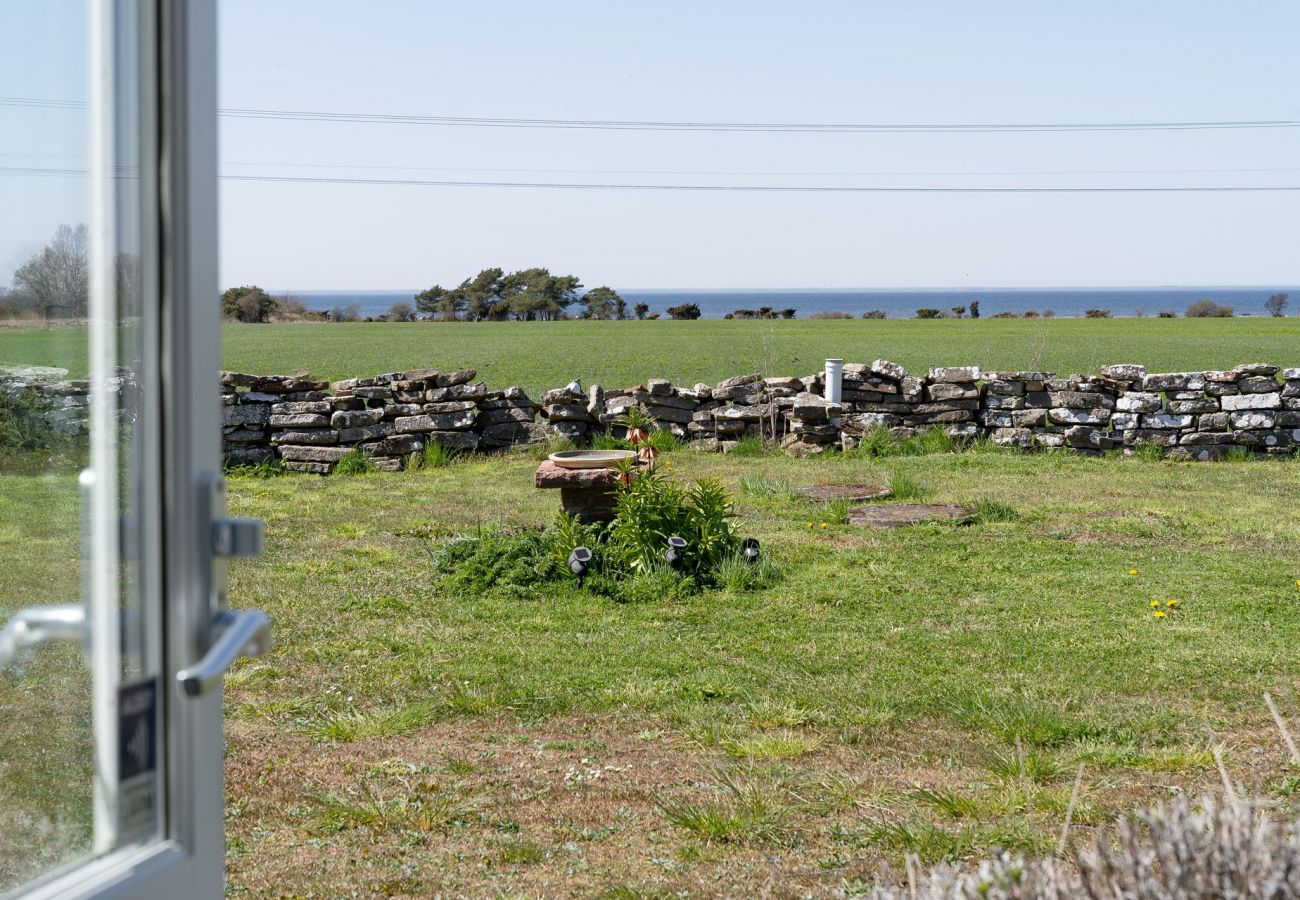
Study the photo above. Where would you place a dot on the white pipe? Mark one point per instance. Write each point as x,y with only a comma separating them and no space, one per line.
834,380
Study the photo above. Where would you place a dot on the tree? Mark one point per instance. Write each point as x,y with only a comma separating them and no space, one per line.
56,281
349,312
481,296
1276,304
248,303
641,309
974,309
685,311
536,294
787,313
438,301
958,312
401,312
604,303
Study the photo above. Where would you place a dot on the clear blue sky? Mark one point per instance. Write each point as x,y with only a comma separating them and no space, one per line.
922,62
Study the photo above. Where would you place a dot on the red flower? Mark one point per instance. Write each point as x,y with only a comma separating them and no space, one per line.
636,436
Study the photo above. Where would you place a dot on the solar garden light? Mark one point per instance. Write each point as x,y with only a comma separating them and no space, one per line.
579,559
749,550
676,547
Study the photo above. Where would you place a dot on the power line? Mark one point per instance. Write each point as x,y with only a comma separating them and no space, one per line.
761,188
775,174
744,127
718,188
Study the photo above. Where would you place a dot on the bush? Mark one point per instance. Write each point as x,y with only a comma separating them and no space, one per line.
1276,304
1096,313
1031,314
1166,314
1208,309
874,314
684,311
926,312
830,314
1011,315
743,314
1049,314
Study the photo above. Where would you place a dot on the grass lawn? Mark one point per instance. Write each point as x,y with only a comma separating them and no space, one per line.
543,355
929,689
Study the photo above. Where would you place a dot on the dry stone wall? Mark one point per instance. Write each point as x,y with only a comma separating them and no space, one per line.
310,425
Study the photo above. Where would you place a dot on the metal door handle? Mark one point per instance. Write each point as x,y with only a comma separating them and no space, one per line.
239,633
38,624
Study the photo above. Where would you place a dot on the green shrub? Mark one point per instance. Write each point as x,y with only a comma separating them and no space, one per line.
1096,314
1208,309
651,508
926,312
511,561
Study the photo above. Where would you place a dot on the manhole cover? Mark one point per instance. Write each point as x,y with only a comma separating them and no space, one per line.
896,515
857,493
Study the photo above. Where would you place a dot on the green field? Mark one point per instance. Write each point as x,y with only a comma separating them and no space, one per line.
541,355
930,689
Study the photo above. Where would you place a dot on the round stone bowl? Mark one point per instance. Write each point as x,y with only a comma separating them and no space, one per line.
591,459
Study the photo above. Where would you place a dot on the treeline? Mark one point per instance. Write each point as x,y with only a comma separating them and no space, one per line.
527,295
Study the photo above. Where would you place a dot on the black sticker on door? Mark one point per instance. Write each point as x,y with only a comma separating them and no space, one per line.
137,759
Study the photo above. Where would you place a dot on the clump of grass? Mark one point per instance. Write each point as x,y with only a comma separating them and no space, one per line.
749,445
413,805
876,442
606,440
782,744
518,852
746,812
1240,454
354,725
948,802
267,468
736,575
662,439
1020,718
1149,452
762,488
656,585
834,512
554,443
932,440
498,560
353,463
1034,765
988,511
904,486
436,456
771,714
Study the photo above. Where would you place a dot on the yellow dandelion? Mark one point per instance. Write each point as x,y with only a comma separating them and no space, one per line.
1132,571
1159,614
810,524
1171,603
823,524
1155,602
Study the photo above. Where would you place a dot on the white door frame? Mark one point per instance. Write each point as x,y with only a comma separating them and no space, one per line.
174,64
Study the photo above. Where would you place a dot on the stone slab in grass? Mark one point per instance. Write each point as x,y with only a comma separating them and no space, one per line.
856,493
896,515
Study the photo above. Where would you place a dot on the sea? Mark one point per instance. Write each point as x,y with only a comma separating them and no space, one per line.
895,303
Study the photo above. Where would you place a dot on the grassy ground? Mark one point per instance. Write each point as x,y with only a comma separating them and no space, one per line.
45,705
929,689
541,355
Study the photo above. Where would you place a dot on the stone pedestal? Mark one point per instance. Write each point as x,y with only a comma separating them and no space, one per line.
587,494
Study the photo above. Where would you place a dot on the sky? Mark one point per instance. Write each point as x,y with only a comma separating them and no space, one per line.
941,63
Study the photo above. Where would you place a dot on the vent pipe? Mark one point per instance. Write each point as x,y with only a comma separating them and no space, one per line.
834,380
